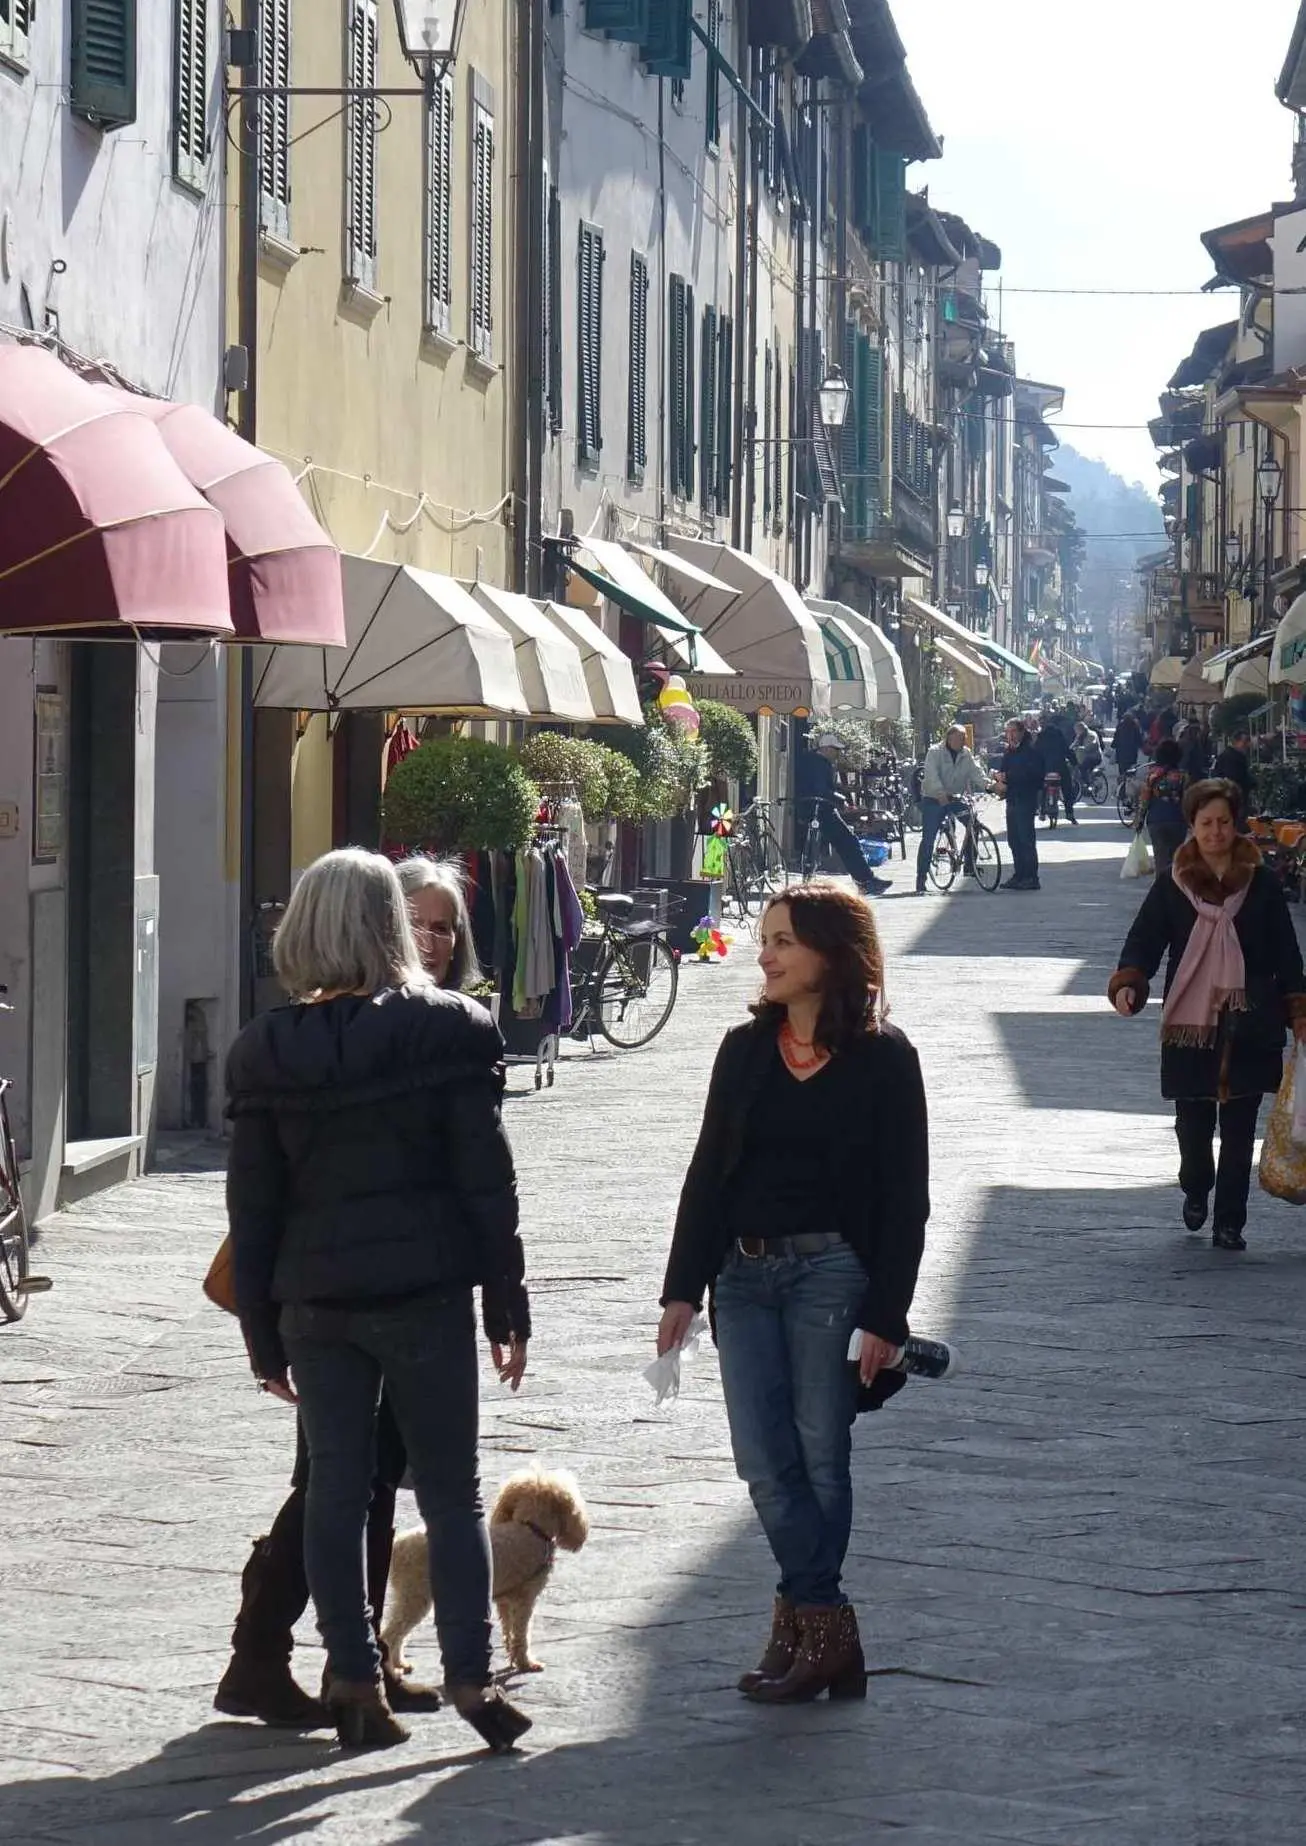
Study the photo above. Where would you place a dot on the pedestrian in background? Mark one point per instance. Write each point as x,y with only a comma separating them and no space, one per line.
951,772
1233,764
1022,783
258,1682
1161,804
1053,747
803,1217
1233,981
816,789
370,1189
1196,757
1127,743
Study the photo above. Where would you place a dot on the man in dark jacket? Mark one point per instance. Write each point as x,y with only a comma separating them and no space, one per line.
1054,753
1233,765
1022,780
816,786
1127,743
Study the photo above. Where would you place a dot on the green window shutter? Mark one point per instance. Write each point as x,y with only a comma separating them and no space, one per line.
637,401
725,412
676,386
589,296
691,445
620,19
888,229
777,465
712,109
190,91
707,408
553,310
102,61
668,47
768,375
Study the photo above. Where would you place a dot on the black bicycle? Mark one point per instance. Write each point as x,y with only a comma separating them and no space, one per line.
628,990
755,866
965,844
16,1280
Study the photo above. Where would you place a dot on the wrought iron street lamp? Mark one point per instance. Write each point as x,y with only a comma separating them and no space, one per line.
429,30
956,521
834,396
1269,482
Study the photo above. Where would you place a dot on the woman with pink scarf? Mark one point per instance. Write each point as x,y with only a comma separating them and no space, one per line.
1233,984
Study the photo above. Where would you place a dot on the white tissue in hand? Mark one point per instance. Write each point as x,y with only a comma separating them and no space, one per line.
664,1373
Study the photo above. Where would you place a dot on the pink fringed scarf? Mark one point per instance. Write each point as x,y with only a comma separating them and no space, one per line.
1211,976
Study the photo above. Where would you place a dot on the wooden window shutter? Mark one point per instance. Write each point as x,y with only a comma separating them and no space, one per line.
274,117
707,409
589,370
190,92
667,50
102,61
619,19
15,25
438,311
553,310
725,412
676,385
791,448
361,145
712,109
481,267
637,409
888,227
778,457
691,444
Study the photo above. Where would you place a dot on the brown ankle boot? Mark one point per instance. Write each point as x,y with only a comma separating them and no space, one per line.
490,1715
362,1715
828,1658
780,1649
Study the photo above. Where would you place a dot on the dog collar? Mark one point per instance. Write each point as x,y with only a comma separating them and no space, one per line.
540,1533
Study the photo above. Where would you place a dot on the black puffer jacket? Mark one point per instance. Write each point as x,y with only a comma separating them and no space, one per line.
368,1161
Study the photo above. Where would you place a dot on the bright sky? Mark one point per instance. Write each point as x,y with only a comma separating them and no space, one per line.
1093,144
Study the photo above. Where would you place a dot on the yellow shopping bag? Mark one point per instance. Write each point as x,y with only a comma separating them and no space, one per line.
1282,1171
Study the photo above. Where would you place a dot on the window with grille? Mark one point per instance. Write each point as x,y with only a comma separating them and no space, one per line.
190,92
274,117
361,126
589,344
637,407
439,205
481,264
101,61
553,311
15,26
707,411
680,387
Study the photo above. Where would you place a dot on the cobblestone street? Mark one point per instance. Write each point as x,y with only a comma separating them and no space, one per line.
1079,1563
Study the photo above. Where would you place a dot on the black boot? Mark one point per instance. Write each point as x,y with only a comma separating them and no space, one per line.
258,1682
1226,1237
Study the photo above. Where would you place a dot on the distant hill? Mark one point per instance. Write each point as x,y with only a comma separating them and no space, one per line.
1103,503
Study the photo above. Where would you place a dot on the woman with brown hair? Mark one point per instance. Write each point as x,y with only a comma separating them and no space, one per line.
803,1215
1233,982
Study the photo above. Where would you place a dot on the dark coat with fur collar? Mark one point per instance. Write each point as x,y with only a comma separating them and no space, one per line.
1247,1056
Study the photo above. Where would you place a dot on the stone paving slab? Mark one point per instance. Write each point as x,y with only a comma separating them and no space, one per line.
1079,1563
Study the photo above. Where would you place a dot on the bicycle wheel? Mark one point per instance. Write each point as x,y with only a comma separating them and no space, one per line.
14,1253
741,883
1097,789
637,989
986,867
1126,804
945,861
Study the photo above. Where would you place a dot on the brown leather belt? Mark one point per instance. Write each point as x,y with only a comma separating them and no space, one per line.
806,1243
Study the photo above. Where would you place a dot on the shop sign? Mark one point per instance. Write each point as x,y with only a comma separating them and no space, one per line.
49,806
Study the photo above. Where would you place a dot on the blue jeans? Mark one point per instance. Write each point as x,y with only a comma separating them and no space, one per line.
424,1352
783,1326
932,817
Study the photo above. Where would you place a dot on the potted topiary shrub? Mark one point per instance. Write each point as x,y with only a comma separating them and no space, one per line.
460,794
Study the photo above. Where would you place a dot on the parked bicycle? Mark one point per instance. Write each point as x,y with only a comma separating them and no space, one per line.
629,989
755,865
16,1280
965,844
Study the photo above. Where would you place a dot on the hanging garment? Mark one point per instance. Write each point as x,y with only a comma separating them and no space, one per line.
521,930
569,926
540,974
572,820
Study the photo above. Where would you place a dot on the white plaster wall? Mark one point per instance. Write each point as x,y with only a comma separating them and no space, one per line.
1289,275
141,289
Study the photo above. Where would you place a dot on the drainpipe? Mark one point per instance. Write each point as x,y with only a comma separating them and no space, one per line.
247,250
818,213
661,317
749,341
527,417
745,250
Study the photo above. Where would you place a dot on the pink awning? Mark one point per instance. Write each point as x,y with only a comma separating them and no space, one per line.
100,531
285,570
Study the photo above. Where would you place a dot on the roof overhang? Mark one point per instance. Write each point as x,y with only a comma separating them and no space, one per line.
784,23
830,51
893,109
1242,252
1291,87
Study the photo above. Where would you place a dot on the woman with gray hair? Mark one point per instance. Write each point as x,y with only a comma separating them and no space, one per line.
437,904
370,1189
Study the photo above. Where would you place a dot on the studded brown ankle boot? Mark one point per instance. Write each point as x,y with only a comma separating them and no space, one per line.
828,1658
780,1649
362,1715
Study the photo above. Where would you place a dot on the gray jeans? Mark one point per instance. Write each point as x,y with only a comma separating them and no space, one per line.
424,1353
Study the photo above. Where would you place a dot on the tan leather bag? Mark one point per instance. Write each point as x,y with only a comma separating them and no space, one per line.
220,1282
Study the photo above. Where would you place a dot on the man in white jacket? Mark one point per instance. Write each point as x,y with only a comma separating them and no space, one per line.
950,772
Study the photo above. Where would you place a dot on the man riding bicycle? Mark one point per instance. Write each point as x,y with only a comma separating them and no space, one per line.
816,788
951,772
